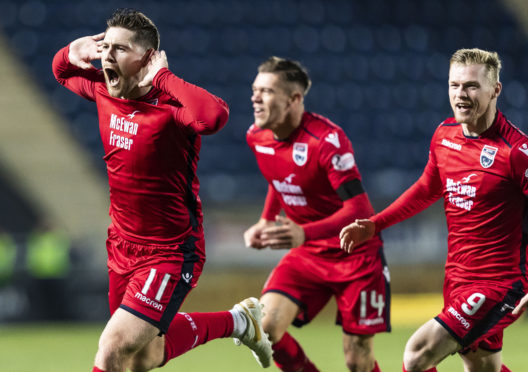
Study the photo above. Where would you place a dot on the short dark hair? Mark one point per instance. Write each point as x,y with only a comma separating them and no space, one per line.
290,71
146,31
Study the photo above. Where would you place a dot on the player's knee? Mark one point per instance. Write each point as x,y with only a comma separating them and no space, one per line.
273,329
416,361
112,350
359,356
141,363
359,364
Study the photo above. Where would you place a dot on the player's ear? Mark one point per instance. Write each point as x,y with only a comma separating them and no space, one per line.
146,56
296,97
498,89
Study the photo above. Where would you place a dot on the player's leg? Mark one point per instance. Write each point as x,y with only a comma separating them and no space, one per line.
428,346
362,292
482,361
280,311
294,293
359,353
124,335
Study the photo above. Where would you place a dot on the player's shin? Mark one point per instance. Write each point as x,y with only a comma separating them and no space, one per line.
190,330
290,357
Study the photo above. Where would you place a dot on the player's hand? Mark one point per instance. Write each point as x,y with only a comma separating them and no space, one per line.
157,61
252,236
356,233
86,49
522,305
285,234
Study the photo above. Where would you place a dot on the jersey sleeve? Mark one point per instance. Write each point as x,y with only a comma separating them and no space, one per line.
272,206
519,165
78,80
336,157
422,194
202,111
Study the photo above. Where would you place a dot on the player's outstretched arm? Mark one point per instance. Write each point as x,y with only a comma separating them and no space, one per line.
252,236
86,49
522,305
356,233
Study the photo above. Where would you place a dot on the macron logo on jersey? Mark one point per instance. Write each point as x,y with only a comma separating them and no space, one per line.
451,145
333,138
265,150
524,149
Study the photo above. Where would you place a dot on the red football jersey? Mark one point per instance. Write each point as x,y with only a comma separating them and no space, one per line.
151,147
305,172
484,183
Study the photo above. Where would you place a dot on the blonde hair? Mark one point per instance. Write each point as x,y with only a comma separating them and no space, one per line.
477,56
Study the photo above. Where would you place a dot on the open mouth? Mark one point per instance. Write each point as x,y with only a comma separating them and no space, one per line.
463,106
112,77
257,111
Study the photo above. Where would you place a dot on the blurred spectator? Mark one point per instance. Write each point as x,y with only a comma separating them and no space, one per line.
48,254
7,257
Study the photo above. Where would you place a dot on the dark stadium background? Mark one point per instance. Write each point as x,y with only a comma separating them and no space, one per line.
379,70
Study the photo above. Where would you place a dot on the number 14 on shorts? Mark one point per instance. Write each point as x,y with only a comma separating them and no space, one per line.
376,302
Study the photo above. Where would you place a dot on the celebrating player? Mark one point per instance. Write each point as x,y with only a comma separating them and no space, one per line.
309,164
150,123
478,163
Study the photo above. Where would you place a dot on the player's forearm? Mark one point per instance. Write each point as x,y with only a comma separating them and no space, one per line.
355,208
272,205
209,113
61,66
417,198
78,80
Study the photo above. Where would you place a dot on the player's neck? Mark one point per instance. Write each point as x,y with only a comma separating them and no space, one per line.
137,92
481,125
288,126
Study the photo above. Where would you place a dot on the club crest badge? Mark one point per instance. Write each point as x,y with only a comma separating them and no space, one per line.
487,156
300,153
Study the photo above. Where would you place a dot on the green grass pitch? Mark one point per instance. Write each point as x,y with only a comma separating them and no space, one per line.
71,348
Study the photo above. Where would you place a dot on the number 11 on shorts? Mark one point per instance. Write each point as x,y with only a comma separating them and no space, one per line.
376,302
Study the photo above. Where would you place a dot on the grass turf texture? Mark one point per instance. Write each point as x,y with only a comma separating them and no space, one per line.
71,347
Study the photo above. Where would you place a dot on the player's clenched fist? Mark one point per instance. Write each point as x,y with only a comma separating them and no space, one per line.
356,233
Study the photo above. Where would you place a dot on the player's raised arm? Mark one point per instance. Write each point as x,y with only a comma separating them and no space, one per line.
356,233
203,111
86,49
157,61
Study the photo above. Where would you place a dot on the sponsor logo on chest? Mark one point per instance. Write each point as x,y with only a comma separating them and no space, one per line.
122,129
291,194
460,193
